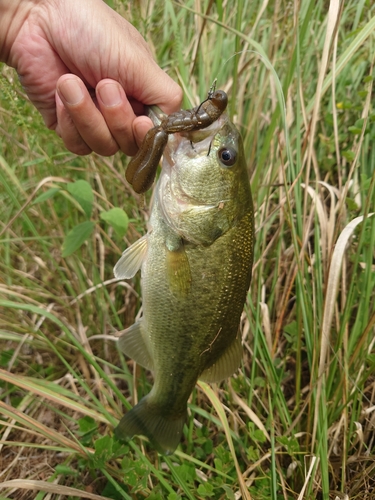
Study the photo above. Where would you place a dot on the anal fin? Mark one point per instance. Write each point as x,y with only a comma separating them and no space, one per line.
132,343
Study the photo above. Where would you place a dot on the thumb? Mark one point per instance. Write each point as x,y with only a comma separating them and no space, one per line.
155,87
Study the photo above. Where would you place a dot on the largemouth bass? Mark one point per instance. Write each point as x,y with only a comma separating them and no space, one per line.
195,262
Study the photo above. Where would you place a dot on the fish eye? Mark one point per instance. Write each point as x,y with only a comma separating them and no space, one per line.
227,156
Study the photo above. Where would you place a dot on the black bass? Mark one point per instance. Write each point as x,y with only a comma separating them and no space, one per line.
196,262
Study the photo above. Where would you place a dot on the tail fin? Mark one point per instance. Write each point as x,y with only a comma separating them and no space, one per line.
147,419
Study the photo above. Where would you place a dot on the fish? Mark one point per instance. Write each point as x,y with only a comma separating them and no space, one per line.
196,264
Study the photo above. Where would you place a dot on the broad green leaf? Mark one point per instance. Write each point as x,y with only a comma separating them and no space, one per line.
103,445
103,450
349,155
65,470
118,219
359,123
173,496
205,489
50,193
228,491
87,424
351,204
83,194
76,237
355,130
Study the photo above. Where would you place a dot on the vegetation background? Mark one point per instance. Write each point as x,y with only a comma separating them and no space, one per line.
297,420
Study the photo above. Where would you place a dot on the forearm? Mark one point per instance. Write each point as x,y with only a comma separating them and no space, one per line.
12,15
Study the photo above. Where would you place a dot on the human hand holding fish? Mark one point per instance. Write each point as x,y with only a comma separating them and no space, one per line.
87,70
195,263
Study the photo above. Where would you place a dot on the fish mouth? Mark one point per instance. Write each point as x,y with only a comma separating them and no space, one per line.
199,139
174,200
192,144
196,141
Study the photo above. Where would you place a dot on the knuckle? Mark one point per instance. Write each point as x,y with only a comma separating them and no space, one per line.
129,149
106,150
81,149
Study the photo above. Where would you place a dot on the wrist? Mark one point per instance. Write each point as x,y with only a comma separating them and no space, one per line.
13,14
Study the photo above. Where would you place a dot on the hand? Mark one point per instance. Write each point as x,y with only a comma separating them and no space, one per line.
89,72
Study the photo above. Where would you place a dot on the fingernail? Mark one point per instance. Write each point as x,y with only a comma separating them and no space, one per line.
140,129
110,94
71,91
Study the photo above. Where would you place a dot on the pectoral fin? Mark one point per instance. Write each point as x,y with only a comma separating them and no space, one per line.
178,271
132,344
226,365
131,260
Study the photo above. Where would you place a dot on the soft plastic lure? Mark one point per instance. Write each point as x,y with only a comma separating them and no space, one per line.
142,168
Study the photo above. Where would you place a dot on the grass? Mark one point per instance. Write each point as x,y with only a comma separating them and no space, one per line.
297,420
